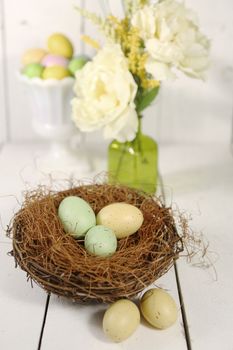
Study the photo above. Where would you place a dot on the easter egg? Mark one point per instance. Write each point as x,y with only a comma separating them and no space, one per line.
33,70
124,219
76,216
159,308
121,320
77,63
59,44
54,60
55,72
100,241
33,56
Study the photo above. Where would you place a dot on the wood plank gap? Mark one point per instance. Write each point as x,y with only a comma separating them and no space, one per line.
44,321
181,300
183,312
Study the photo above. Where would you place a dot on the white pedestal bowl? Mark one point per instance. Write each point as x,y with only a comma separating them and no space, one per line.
51,107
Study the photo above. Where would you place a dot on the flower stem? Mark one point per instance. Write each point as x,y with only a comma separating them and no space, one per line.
121,160
136,145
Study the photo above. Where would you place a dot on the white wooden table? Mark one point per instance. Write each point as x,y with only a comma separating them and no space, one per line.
197,178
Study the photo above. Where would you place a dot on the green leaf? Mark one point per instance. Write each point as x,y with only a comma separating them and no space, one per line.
146,98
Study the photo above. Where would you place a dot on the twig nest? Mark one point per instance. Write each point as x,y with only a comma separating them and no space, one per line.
59,262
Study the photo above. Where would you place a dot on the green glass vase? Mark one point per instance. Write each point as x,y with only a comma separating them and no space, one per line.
134,163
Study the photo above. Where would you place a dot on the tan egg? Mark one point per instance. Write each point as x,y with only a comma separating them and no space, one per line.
159,308
33,56
124,219
121,320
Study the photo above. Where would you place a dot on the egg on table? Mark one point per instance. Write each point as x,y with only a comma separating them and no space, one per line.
76,216
100,241
124,219
159,308
33,56
121,320
59,44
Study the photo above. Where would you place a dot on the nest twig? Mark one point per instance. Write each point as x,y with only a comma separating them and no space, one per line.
60,264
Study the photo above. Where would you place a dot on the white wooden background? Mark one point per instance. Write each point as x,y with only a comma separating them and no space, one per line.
189,110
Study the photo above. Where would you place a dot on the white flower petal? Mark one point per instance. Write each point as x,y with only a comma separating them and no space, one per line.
164,52
144,20
123,128
160,71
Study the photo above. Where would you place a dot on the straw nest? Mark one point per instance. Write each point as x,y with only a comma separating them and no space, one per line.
60,264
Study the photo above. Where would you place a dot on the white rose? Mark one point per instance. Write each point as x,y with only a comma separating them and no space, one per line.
176,43
105,92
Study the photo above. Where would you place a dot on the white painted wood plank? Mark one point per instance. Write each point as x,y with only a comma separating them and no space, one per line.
199,180
81,325
22,307
3,123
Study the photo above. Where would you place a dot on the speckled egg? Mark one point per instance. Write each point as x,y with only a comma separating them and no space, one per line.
33,70
33,56
121,320
55,72
59,44
159,308
76,216
124,219
54,60
100,241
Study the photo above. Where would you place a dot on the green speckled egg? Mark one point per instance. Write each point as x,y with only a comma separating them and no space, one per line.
101,241
76,216
33,70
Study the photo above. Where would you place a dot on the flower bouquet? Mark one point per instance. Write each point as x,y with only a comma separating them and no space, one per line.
150,44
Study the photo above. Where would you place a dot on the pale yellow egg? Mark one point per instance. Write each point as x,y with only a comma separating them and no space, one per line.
124,219
159,308
121,320
33,56
55,72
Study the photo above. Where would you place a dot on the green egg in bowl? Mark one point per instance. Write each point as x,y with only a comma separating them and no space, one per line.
60,263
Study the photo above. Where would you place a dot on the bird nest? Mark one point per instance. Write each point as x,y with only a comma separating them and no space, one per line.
60,264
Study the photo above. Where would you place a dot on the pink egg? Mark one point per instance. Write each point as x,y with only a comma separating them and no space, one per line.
54,60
